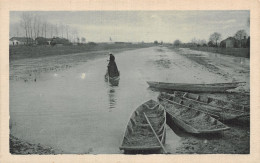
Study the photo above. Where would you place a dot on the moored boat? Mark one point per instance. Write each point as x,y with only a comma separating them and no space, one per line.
222,114
213,88
191,120
139,136
215,102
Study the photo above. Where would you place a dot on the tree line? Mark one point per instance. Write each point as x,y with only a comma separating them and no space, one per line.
33,26
214,39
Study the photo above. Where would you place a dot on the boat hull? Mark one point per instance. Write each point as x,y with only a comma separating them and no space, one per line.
191,120
213,88
114,81
138,137
224,111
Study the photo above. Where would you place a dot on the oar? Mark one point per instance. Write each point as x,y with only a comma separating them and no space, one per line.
164,150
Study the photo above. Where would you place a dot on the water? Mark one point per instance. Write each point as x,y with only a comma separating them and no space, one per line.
76,111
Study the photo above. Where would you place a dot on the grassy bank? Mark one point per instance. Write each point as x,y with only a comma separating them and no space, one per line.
237,52
21,52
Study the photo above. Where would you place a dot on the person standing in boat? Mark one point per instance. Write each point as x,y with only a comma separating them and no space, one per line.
112,67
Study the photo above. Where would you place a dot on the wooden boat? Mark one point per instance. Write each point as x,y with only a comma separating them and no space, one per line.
139,135
213,88
114,81
222,114
191,120
214,102
225,110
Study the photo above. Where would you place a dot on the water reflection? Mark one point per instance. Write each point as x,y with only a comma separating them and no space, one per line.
112,98
240,60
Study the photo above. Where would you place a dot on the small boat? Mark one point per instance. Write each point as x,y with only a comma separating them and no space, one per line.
214,102
213,88
146,129
191,120
222,114
114,81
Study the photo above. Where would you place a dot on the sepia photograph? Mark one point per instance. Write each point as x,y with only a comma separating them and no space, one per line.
129,82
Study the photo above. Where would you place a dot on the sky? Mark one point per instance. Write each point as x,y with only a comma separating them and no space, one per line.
147,26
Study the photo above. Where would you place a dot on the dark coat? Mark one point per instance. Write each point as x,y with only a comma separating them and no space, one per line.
112,68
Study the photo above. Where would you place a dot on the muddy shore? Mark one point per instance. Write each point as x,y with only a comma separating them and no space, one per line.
237,139
21,147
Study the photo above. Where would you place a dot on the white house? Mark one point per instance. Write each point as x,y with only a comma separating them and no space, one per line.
20,41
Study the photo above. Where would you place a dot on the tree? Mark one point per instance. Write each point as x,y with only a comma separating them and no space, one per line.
240,35
210,44
177,43
155,42
26,23
67,31
201,42
215,37
194,40
83,40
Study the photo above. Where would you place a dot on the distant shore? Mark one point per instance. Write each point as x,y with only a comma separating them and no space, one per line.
27,62
236,52
22,51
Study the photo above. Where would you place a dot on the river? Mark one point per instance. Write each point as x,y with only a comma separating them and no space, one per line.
76,111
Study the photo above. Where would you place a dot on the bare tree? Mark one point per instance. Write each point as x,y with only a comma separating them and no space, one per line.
194,40
35,26
61,27
202,42
67,31
26,25
17,31
239,35
45,28
51,30
215,37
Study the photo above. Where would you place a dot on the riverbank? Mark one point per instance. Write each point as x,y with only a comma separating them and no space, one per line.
235,52
233,69
237,139
22,51
21,147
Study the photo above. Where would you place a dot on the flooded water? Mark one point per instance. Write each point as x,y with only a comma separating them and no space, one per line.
76,111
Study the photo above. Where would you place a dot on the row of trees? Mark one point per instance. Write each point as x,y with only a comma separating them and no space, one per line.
214,39
33,26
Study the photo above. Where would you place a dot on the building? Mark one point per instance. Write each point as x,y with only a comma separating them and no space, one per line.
20,41
229,42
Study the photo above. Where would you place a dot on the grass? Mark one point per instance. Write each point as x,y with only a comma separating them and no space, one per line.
237,52
21,52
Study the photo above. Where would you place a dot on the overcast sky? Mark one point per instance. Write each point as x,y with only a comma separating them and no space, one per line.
136,26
